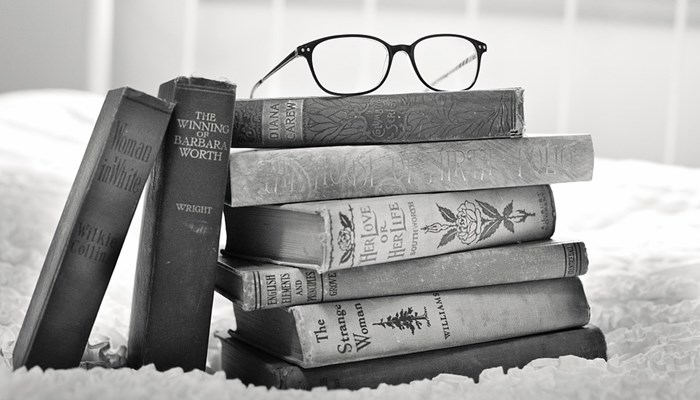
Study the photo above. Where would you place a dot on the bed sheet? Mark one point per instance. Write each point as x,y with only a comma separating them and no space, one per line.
640,221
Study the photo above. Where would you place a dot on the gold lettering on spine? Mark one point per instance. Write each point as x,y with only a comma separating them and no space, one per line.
117,168
312,287
94,243
286,288
128,146
352,340
201,138
282,121
287,175
271,288
405,167
425,167
195,140
444,323
572,259
545,159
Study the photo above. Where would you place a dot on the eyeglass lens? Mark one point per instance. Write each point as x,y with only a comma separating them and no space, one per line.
350,64
357,64
446,62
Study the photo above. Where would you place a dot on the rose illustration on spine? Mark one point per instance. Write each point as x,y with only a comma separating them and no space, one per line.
475,221
468,222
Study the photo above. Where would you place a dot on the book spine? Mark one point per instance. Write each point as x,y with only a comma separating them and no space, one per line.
263,369
379,230
174,285
394,118
269,286
336,172
91,230
353,330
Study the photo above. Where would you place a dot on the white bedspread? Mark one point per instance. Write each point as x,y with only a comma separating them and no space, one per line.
640,221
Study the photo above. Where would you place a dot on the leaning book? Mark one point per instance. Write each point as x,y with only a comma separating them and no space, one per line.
92,228
378,118
314,335
340,234
179,243
277,176
255,367
256,285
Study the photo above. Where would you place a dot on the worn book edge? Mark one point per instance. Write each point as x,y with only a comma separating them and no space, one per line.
77,195
587,342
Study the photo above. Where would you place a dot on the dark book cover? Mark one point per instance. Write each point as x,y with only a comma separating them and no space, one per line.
174,285
91,230
253,366
379,118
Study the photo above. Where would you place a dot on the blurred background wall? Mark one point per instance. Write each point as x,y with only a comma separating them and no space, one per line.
626,71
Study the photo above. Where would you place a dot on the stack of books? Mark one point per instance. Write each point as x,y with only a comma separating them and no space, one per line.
369,239
389,238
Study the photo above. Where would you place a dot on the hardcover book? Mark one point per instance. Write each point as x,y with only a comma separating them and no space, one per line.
277,176
339,234
255,367
377,118
314,335
178,248
91,230
256,285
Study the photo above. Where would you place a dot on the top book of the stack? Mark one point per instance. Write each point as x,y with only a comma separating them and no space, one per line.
379,119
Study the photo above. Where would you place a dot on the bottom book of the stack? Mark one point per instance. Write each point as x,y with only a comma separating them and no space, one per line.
252,366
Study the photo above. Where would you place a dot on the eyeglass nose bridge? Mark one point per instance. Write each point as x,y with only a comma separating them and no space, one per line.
400,47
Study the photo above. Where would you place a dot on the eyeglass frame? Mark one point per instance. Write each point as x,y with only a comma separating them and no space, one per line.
306,51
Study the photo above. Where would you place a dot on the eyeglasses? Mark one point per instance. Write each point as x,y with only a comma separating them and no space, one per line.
357,64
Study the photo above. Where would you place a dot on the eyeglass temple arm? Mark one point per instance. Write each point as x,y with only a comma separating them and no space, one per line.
279,66
455,68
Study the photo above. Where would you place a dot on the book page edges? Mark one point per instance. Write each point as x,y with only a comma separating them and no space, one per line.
326,238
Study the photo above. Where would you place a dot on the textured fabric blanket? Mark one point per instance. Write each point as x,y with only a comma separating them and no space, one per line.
640,222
